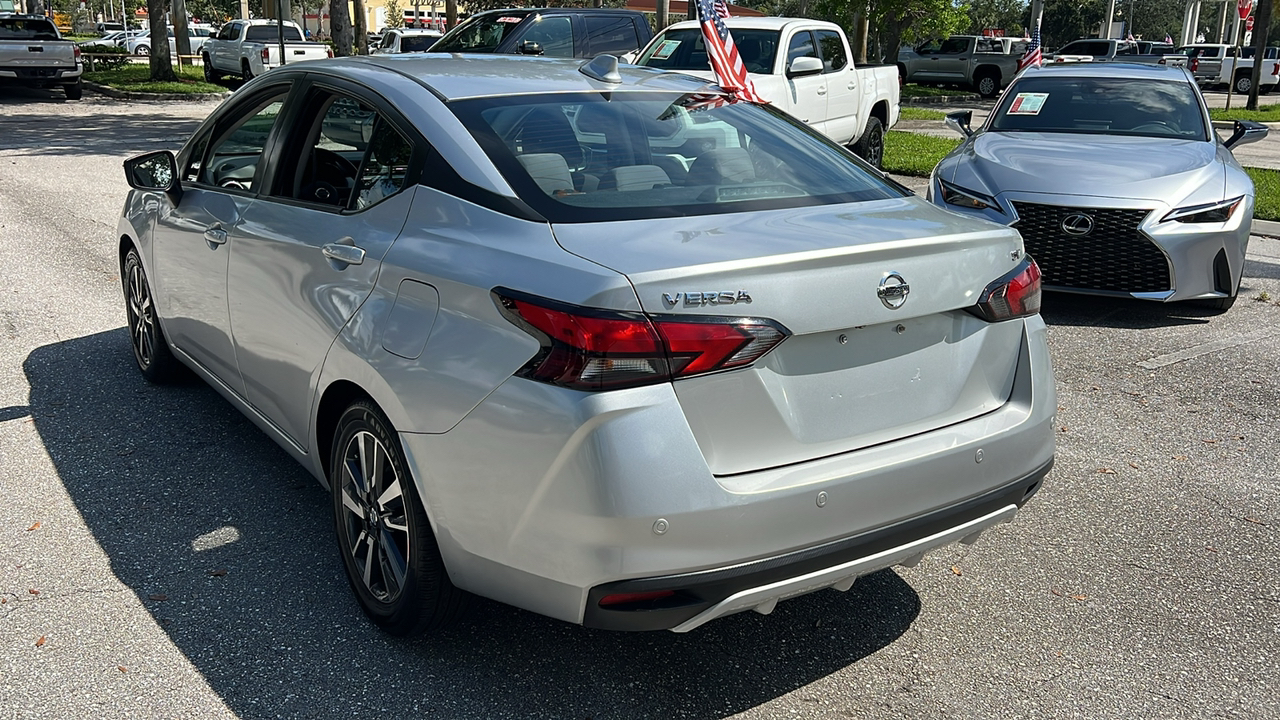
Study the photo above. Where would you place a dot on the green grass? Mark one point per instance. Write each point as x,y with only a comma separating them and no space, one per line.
1266,186
909,91
919,113
1264,113
914,154
137,78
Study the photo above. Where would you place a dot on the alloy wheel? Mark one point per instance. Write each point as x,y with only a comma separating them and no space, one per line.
374,516
142,316
987,86
875,149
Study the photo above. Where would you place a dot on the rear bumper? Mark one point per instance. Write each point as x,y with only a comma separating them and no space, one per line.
40,76
547,499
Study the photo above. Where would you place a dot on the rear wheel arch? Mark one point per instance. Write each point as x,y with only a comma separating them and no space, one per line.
881,110
337,397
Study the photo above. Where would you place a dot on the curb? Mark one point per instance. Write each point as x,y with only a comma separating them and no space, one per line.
939,99
126,95
1265,228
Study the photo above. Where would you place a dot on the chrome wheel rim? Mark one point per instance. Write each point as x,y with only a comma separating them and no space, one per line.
141,316
374,517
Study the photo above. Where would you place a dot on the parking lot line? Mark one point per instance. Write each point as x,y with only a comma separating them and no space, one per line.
1195,351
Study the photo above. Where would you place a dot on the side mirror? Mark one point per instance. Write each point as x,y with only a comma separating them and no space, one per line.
153,171
802,66
529,47
959,121
1246,132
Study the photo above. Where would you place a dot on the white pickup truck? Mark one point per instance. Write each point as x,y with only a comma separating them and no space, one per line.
1215,64
251,47
802,67
33,54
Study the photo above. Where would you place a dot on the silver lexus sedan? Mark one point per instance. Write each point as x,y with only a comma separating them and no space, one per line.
1115,178
593,341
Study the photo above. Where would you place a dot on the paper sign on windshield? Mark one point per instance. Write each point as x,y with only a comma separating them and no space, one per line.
665,49
510,19
1028,103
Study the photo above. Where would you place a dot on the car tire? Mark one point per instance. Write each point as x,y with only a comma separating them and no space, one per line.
390,554
988,85
210,75
1244,83
74,91
142,50
870,146
246,72
150,349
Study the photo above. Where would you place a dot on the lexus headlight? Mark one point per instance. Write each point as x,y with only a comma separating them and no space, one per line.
960,197
1211,213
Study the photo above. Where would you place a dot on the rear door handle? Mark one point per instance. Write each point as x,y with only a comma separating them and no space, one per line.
340,252
215,236
822,91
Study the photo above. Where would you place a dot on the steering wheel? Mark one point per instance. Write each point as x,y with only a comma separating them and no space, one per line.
329,178
1156,126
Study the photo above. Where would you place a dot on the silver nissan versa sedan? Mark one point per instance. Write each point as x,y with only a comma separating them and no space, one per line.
597,342
1115,178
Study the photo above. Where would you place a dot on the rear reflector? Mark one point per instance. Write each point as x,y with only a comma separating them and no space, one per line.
637,597
1015,295
592,349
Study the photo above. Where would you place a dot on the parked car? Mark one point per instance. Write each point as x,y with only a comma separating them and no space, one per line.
985,64
406,40
1215,65
249,48
814,79
1115,178
532,364
553,32
141,43
33,54
1110,50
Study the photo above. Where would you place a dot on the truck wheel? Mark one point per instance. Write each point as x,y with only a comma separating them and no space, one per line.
246,72
74,92
1244,83
210,75
988,86
870,146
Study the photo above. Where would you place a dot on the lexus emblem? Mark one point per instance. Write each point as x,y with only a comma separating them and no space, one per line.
893,291
1077,224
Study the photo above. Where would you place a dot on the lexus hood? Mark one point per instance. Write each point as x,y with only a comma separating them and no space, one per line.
1111,166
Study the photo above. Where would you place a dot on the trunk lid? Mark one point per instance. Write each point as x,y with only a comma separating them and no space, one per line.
854,372
36,53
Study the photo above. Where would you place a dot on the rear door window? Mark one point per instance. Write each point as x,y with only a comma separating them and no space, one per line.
612,35
832,46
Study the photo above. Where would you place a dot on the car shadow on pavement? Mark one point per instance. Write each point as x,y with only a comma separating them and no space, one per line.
228,544
1059,308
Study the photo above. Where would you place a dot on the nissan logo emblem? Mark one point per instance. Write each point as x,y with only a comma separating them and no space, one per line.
1077,224
893,291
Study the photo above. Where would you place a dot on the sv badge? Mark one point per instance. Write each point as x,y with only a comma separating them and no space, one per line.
699,299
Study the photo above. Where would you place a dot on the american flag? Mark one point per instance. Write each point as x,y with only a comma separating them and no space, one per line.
722,8
1033,55
725,61
1168,39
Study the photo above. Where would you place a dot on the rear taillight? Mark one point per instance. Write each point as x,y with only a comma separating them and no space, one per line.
1015,295
1275,69
265,55
590,349
76,49
1194,65
328,51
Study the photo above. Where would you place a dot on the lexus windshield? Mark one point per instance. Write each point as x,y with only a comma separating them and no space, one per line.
1102,106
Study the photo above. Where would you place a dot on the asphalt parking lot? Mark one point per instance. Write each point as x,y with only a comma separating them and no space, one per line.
160,557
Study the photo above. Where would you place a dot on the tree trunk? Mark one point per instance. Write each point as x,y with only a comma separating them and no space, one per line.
181,38
340,26
1260,25
662,13
161,63
859,39
451,13
360,27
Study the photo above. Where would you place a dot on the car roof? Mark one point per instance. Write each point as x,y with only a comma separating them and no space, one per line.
455,76
761,23
1137,71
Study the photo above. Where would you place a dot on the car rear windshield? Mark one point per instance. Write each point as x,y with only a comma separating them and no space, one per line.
27,29
271,33
1101,106
627,156
481,34
417,43
684,50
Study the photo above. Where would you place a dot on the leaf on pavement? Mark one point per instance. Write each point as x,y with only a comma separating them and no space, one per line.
955,570
1210,441
160,597
1179,457
1134,465
34,591
1056,591
40,641
220,572
1081,598
122,668
36,526
1255,521
1106,471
